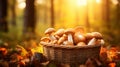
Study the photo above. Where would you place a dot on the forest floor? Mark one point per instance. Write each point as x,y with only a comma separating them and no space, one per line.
28,52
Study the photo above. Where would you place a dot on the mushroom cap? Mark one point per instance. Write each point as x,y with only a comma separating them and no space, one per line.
100,41
81,44
97,35
45,39
60,32
57,37
69,31
61,40
67,43
79,29
54,42
88,36
79,38
49,30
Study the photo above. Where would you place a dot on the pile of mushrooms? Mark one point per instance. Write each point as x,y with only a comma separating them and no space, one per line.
72,37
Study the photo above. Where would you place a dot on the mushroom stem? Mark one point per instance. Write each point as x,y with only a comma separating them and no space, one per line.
102,42
70,39
52,37
92,41
50,31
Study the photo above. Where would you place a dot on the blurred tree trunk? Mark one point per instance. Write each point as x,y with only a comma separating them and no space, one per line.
87,18
13,12
118,12
52,13
3,16
45,12
29,17
59,13
106,13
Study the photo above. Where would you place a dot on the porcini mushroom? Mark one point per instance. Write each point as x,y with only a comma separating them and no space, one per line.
68,43
60,32
81,44
49,31
45,39
97,35
92,41
88,36
54,42
78,38
79,29
70,33
100,42
62,39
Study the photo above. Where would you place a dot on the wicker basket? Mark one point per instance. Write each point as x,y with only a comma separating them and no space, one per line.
70,54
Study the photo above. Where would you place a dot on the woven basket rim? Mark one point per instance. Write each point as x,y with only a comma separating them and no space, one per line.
67,47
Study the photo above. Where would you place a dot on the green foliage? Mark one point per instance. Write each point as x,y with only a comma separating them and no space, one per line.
10,39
